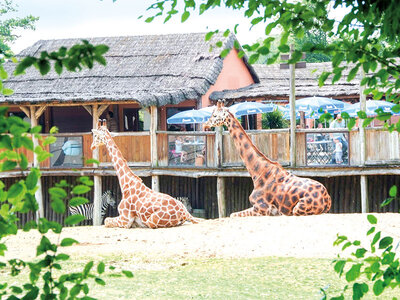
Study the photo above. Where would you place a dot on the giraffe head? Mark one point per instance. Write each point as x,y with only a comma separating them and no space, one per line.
219,116
99,135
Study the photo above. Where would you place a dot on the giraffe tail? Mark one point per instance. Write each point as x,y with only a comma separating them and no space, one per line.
195,220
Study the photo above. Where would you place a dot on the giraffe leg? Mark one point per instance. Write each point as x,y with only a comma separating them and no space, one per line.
119,221
310,206
252,211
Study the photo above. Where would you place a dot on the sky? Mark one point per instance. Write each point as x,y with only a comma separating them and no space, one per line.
101,18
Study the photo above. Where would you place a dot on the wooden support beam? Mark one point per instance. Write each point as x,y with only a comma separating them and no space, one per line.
40,111
363,152
292,103
364,194
155,183
218,146
26,111
96,179
36,164
102,108
89,110
221,197
153,136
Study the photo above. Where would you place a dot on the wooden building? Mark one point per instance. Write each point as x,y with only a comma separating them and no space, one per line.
149,78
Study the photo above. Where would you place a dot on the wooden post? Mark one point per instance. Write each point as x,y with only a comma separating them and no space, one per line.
221,197
364,194
363,156
155,183
292,103
155,180
39,193
218,146
96,178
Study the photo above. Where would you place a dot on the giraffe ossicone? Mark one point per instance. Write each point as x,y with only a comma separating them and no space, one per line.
276,191
140,206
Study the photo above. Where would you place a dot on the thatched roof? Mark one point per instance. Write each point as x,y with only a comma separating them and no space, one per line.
151,69
274,84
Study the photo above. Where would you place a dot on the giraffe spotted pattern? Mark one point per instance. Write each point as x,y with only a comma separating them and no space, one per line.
140,206
276,191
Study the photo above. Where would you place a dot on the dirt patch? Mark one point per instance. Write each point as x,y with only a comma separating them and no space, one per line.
310,236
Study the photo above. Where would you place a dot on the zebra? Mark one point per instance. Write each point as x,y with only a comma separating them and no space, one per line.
86,210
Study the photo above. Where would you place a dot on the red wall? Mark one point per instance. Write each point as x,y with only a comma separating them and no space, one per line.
234,75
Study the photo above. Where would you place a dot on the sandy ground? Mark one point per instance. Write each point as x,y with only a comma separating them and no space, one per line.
310,236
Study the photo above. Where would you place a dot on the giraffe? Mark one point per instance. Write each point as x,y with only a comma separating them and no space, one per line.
140,206
276,191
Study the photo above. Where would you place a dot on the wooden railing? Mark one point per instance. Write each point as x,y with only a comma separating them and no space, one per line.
196,149
382,147
273,143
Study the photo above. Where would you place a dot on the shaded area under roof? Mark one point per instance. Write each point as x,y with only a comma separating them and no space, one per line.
151,69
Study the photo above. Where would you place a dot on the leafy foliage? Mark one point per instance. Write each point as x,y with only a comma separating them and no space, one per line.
364,38
273,120
8,26
19,198
377,265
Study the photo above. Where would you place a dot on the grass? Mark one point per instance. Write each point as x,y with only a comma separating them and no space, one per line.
182,278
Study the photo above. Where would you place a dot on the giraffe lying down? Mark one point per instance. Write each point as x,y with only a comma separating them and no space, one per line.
140,206
276,191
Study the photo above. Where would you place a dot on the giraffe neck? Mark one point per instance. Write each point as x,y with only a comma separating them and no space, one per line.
255,161
124,173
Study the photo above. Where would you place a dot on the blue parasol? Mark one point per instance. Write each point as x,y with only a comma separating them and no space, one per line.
189,117
372,106
250,108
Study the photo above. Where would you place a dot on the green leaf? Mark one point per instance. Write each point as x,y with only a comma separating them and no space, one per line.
23,163
80,189
16,191
74,219
385,242
32,179
185,16
8,165
339,266
376,238
378,287
224,53
353,273
49,140
100,268
62,256
58,206
3,73
322,78
209,35
360,252
56,192
76,201
87,268
387,201
24,64
92,161
101,49
128,274
372,219
100,281
359,290
371,230
68,242
393,191
7,92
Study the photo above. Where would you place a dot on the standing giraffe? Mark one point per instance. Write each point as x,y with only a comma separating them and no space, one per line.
276,191
140,206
